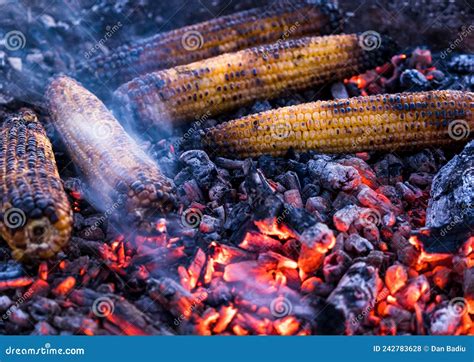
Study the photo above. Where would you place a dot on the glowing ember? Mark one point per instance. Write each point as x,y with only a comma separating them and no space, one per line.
43,271
115,254
226,315
425,257
65,286
161,226
274,228
286,326
128,328
257,242
76,194
224,254
15,283
396,277
194,270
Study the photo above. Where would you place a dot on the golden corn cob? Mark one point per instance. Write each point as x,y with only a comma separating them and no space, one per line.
381,122
122,178
282,20
35,214
229,81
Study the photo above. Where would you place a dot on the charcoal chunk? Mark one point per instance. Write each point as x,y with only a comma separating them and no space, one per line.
202,168
452,192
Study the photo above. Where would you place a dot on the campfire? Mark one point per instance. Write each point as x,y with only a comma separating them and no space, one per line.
174,185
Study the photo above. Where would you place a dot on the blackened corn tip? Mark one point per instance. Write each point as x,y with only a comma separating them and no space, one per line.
35,215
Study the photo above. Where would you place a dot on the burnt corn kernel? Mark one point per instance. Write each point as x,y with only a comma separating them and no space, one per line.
122,179
35,214
381,122
280,20
216,85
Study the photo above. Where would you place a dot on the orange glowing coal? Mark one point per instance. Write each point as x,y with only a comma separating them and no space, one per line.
274,228
225,254
43,270
286,326
468,247
115,254
204,325
425,257
127,328
257,242
15,283
226,313
271,261
189,277
357,80
161,225
65,286
76,194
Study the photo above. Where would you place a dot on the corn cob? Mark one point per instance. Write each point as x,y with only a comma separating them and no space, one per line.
123,180
382,122
282,20
229,81
35,214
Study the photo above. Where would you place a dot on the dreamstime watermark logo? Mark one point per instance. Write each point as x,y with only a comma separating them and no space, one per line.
459,129
110,31
289,208
102,130
361,316
191,217
283,38
370,218
281,307
14,40
370,40
280,130
458,306
103,307
456,42
359,141
14,218
25,297
192,40
456,220
466,209
193,129
195,302
104,217
46,350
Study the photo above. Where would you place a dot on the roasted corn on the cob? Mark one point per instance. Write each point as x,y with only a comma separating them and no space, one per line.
382,122
226,82
35,214
281,20
123,179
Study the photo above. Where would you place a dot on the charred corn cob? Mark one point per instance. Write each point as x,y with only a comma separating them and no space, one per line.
35,214
381,122
123,180
282,20
226,82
